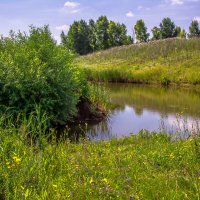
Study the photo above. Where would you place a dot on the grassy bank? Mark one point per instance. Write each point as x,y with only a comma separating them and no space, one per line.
164,62
146,166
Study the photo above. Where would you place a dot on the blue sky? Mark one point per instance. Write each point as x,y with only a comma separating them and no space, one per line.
59,14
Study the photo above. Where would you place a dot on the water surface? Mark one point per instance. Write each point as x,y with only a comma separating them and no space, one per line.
136,107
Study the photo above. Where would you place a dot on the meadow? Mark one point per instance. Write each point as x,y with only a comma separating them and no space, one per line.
40,88
143,166
169,61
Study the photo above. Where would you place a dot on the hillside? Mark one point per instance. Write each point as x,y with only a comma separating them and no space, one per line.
164,61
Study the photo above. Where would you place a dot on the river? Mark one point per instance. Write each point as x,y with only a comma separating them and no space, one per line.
137,107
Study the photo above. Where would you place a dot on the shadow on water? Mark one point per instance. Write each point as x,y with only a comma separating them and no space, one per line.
137,107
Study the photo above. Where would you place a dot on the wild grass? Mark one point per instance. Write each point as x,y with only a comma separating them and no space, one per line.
165,61
144,166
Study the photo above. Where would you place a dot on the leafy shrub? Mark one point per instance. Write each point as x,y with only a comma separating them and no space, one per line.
34,71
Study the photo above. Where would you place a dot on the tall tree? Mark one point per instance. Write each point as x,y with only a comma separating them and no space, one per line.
177,31
141,31
180,32
194,29
129,40
156,33
102,32
117,34
93,34
114,33
84,37
124,39
167,28
72,37
78,37
63,38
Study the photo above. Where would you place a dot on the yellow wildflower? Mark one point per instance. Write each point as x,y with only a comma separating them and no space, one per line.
172,155
91,181
16,159
105,180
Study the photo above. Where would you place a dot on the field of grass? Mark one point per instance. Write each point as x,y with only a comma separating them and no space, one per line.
164,62
144,166
39,80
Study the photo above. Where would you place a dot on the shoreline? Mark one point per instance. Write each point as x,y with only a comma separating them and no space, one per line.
153,84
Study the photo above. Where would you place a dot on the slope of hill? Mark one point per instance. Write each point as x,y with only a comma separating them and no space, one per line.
164,62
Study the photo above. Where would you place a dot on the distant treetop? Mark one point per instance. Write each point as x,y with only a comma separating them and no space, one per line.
84,38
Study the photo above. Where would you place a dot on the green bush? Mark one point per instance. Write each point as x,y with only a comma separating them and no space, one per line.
35,71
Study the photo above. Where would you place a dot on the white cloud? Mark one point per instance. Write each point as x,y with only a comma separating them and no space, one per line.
71,4
63,28
180,2
177,2
69,11
139,7
130,14
143,8
197,18
74,11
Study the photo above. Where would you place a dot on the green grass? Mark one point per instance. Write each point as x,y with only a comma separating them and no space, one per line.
164,62
144,166
35,165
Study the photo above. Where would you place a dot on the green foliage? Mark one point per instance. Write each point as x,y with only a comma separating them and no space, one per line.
167,28
93,34
194,29
99,96
35,71
63,38
144,166
182,34
156,33
78,37
118,35
102,32
141,31
177,31
84,38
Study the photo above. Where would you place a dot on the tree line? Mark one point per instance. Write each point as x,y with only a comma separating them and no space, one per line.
166,29
84,38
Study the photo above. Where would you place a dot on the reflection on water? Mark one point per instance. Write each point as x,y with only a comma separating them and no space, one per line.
150,108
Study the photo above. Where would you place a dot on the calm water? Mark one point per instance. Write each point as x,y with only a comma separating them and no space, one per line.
152,108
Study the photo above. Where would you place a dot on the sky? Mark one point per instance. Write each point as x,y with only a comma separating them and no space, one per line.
59,14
